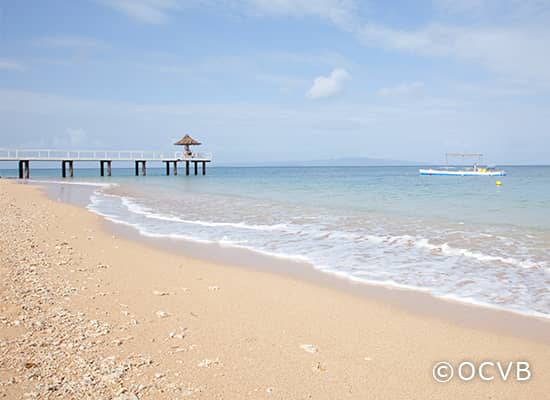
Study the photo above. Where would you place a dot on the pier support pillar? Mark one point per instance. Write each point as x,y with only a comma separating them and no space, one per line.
143,167
102,167
64,168
168,167
187,168
204,167
24,169
196,167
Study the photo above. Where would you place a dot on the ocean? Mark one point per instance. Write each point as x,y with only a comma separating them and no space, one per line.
459,238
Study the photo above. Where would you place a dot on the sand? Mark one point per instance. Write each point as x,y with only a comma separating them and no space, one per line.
86,313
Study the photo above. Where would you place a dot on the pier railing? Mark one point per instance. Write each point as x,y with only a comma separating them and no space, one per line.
98,155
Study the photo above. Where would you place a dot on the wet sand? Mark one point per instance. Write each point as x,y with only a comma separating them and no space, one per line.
88,313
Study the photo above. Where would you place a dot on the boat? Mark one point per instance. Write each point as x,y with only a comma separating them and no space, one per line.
475,170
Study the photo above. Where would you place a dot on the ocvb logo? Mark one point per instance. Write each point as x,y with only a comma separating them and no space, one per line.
466,371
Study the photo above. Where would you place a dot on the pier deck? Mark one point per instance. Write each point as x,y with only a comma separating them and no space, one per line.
105,158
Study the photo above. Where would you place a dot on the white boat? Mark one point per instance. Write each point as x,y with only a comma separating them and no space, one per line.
461,172
475,170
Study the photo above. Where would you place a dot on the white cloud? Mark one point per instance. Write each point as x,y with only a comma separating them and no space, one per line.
506,36
328,86
521,53
11,65
512,38
148,11
401,89
340,12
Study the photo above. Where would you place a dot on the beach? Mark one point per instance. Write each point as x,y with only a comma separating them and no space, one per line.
89,313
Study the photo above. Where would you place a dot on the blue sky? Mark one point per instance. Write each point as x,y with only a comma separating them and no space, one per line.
280,80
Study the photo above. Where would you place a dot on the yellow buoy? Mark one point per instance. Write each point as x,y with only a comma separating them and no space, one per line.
498,183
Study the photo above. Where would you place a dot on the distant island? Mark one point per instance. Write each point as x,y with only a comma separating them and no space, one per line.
333,162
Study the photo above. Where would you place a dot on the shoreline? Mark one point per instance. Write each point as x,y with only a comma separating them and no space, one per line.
458,311
126,320
422,302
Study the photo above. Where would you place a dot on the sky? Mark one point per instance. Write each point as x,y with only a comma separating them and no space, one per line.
279,80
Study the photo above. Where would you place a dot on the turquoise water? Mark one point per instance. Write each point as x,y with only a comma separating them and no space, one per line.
457,237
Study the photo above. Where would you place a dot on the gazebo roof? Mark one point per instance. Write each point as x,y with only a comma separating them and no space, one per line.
187,141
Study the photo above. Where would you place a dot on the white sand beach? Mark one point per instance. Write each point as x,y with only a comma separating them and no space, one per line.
88,314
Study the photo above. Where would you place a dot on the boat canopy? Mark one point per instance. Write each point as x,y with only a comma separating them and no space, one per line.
479,156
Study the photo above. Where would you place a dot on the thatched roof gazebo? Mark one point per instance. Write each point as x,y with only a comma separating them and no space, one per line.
187,141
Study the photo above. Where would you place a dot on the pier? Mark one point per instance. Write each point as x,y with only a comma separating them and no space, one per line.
105,159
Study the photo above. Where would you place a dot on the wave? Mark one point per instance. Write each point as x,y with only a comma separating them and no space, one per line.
448,250
149,213
333,251
238,244
400,240
101,185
